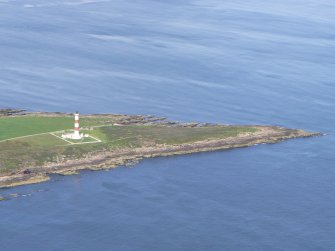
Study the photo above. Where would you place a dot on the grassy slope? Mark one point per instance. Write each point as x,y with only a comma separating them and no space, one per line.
36,150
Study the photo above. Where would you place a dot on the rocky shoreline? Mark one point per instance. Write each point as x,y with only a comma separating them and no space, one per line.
112,159
11,112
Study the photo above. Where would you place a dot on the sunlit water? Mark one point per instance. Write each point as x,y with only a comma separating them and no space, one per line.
246,62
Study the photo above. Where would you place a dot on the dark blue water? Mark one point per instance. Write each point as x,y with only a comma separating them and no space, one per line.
246,62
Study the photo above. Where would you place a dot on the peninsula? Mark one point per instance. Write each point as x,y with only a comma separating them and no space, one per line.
35,145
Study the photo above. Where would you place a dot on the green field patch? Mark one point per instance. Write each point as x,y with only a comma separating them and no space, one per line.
84,140
12,127
134,136
42,140
96,133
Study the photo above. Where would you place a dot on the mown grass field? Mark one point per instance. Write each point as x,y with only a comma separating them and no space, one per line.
35,150
11,127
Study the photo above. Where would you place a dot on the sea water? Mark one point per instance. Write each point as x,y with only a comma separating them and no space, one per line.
233,62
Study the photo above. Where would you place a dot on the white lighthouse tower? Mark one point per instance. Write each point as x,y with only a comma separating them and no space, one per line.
76,133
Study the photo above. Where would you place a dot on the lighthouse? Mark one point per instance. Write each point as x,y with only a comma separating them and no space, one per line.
76,133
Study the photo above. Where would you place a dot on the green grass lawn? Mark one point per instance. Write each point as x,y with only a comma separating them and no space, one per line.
22,126
46,140
11,127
